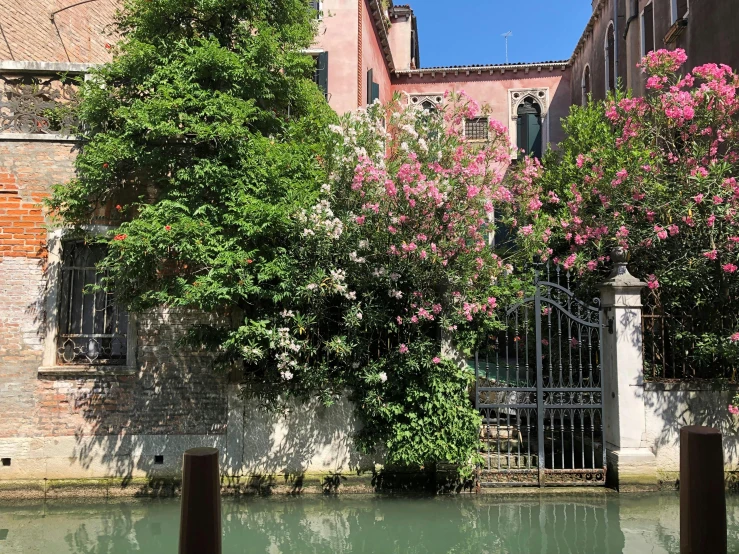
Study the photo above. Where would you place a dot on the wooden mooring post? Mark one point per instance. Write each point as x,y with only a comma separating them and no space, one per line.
200,515
702,493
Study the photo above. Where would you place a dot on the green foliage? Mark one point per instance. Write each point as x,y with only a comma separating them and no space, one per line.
210,146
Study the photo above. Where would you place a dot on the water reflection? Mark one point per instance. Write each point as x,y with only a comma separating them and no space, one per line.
484,524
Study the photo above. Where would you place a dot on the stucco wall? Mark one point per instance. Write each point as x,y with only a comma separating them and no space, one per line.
493,90
670,406
373,58
338,35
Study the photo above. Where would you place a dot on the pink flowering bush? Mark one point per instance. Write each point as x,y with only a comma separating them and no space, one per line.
394,261
659,176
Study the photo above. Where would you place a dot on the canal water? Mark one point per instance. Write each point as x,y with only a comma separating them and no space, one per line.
482,524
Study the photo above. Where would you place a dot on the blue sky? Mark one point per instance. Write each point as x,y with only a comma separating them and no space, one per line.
460,32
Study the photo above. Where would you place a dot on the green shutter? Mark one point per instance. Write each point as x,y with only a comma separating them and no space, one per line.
534,135
373,89
322,72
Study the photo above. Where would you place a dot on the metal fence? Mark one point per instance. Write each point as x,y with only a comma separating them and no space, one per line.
677,346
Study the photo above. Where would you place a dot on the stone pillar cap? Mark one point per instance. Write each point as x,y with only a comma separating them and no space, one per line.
620,276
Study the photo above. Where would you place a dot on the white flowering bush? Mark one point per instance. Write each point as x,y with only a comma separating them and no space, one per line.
392,260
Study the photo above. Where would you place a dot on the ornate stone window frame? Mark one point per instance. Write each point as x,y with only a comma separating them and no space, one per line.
437,99
517,95
49,366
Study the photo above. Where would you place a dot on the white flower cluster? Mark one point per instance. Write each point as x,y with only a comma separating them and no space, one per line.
285,341
353,256
392,293
323,219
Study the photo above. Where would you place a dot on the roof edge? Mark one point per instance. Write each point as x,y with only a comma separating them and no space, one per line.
470,68
382,32
588,29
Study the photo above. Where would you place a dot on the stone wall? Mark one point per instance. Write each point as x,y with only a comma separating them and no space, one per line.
670,406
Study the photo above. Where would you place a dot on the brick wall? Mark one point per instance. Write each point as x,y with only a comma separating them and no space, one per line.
77,34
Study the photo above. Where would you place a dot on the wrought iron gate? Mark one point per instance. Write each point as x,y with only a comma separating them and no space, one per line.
539,389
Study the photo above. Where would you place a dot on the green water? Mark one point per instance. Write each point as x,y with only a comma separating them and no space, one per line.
488,524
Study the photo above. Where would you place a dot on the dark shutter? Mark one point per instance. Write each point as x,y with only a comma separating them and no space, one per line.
321,76
611,58
373,89
315,6
529,129
648,28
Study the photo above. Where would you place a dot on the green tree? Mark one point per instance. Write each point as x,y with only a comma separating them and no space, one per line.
200,138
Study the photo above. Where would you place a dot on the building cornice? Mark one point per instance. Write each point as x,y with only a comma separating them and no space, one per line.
597,12
378,19
479,69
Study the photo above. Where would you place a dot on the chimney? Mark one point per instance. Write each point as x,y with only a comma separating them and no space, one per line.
403,36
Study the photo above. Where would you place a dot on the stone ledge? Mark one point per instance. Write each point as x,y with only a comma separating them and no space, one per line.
309,483
85,371
45,67
38,137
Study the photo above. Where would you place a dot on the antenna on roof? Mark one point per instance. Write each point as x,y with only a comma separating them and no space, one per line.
505,36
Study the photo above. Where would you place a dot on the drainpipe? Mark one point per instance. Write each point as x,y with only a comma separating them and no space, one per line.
634,15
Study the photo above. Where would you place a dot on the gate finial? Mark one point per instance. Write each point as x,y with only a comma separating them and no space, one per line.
620,275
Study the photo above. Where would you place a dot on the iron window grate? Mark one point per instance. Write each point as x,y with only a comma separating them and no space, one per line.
476,128
92,328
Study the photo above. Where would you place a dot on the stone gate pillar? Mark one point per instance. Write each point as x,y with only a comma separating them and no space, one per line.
631,464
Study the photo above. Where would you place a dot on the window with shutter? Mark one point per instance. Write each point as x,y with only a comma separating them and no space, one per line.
316,6
529,128
610,58
92,328
373,89
647,30
320,75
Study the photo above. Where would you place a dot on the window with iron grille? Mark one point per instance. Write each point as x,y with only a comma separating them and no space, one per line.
476,128
92,329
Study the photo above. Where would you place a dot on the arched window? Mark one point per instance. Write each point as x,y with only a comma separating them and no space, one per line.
529,128
428,106
585,85
610,51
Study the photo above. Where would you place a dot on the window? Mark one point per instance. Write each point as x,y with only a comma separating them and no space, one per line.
585,85
476,128
373,89
429,102
647,30
679,9
529,128
320,74
317,5
610,51
92,329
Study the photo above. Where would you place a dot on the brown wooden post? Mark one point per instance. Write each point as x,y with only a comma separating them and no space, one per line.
702,495
200,517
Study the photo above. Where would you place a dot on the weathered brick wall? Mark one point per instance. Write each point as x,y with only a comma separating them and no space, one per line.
174,390
77,34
